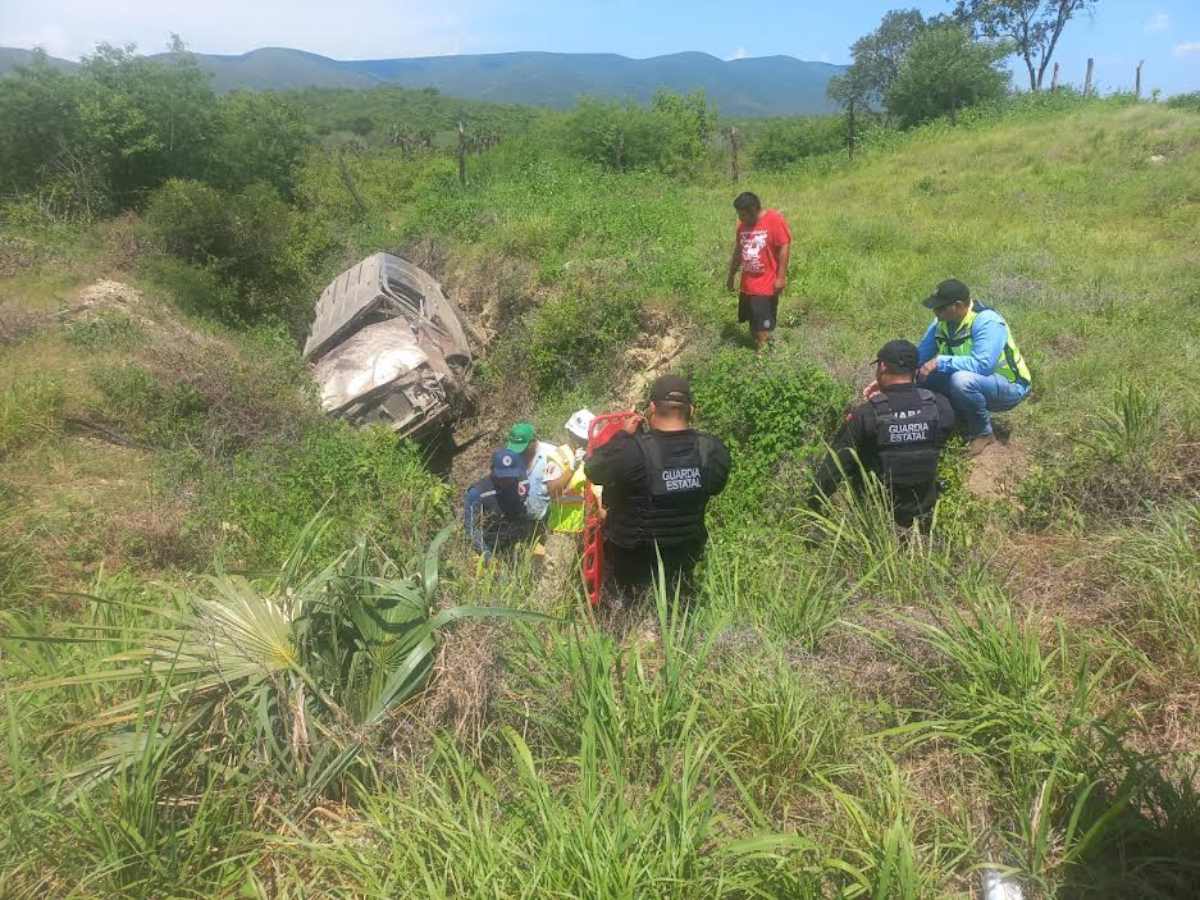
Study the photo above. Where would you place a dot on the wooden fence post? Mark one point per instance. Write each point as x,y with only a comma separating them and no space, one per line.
462,154
733,155
1137,83
1087,81
1054,79
850,129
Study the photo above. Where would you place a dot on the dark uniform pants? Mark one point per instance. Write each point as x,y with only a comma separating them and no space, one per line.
633,570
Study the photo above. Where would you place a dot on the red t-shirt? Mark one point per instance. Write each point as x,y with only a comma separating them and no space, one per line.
760,245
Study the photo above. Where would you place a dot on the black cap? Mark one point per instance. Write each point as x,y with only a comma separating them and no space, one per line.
671,389
949,291
898,355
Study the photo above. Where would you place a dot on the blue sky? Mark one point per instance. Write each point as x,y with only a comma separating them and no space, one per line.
1166,33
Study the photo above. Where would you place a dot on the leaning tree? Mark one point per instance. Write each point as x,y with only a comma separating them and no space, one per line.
1033,26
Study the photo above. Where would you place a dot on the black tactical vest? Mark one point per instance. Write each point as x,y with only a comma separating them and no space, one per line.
667,504
680,474
906,434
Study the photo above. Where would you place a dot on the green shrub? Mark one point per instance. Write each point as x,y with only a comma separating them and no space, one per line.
243,240
765,410
198,290
367,482
574,337
110,330
238,235
97,139
670,135
946,70
1189,101
29,412
148,409
786,141
261,139
192,220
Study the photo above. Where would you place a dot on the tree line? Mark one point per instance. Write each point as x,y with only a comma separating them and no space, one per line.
98,140
918,69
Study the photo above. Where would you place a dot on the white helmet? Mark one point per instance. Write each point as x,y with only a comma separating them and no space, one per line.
579,423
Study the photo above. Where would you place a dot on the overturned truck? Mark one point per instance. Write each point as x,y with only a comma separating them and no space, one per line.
387,347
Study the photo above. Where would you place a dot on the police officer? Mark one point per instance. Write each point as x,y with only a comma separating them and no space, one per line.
494,513
657,480
897,434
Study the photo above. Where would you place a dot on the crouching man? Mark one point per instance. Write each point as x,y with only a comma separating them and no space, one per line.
897,435
968,354
494,513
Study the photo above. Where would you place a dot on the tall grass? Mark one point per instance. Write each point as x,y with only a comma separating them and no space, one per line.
636,779
30,411
1161,570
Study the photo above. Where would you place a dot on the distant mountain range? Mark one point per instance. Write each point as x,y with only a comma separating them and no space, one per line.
762,86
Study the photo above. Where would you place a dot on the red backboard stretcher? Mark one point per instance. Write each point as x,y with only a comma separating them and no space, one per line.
601,432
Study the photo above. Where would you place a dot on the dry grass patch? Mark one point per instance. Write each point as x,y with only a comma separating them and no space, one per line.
91,504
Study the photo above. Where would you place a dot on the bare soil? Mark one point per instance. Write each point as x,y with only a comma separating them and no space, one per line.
996,471
660,342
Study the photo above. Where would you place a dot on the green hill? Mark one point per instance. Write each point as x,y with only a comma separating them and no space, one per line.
277,68
12,57
767,86
779,85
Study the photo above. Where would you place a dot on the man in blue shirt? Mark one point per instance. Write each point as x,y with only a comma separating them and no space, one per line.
969,355
494,513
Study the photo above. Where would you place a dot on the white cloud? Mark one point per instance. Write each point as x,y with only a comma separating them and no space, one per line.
51,38
1158,22
1188,48
740,53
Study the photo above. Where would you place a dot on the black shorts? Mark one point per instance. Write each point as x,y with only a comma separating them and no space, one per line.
759,311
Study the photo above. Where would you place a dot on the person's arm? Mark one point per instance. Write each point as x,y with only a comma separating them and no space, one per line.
840,461
537,496
735,262
782,238
945,418
989,334
719,464
607,463
785,255
927,349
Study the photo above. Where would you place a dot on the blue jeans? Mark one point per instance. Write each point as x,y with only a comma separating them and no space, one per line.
976,397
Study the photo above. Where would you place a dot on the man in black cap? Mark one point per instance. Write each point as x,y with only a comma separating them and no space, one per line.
657,479
969,355
897,434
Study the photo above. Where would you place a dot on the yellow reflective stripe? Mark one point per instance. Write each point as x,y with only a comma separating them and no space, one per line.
1011,364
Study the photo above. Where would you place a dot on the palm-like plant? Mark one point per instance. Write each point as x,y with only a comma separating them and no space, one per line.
303,664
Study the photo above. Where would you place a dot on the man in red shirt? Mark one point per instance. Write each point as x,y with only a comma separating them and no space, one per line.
761,250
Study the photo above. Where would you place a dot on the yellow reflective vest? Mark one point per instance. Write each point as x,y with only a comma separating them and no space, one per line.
1010,365
567,510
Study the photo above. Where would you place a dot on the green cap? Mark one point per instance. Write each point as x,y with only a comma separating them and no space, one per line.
520,436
